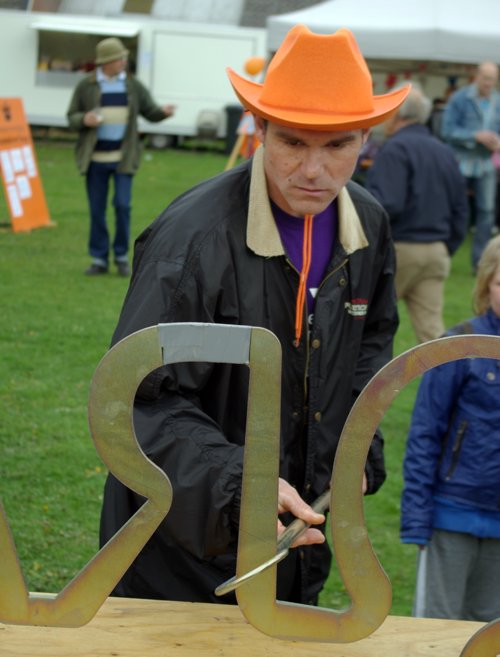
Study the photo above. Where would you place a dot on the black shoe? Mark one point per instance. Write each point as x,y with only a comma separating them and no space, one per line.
96,270
123,268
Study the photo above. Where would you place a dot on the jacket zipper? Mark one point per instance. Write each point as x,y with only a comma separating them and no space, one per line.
305,404
457,446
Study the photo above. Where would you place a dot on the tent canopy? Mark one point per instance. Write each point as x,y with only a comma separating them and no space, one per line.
466,31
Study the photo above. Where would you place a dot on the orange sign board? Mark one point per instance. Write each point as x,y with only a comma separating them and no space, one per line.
19,170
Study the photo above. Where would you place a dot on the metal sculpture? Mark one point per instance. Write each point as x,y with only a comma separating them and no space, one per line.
110,411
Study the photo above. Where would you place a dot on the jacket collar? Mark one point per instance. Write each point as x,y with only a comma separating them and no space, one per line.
101,77
93,77
262,234
472,93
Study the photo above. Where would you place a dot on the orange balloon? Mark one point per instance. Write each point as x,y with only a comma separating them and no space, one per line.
254,65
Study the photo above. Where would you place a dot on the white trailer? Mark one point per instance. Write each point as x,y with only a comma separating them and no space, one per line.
43,56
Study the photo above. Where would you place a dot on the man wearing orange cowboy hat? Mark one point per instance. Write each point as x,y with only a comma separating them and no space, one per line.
284,242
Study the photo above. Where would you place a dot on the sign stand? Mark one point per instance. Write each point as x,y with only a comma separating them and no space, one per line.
19,171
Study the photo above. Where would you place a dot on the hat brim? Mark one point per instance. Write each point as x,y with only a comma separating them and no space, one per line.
249,93
112,58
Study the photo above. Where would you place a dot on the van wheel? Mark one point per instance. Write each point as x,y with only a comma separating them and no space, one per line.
159,142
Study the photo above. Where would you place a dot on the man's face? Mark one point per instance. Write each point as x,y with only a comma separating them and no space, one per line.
111,69
306,169
486,79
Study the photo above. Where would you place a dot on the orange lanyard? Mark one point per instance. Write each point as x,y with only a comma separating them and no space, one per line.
306,264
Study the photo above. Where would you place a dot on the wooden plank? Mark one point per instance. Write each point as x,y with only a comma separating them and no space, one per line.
140,628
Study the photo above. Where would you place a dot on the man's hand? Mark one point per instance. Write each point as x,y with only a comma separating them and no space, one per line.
92,119
489,139
168,110
289,500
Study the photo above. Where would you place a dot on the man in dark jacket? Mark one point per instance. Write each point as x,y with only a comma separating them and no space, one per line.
417,179
230,251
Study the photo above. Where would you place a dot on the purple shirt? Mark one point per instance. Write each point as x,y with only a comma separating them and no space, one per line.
324,234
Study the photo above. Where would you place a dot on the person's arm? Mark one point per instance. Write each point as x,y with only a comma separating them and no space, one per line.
377,344
431,417
79,117
147,106
76,111
454,128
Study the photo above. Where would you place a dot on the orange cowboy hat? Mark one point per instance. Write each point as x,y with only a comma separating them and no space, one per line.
318,82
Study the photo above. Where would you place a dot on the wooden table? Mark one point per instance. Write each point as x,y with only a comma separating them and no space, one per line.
145,628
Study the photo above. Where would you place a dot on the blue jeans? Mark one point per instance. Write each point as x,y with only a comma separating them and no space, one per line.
98,178
484,189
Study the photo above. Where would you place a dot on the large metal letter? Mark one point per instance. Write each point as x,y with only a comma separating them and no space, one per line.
363,576
112,393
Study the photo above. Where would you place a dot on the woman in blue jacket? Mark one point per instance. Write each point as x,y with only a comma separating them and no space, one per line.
451,498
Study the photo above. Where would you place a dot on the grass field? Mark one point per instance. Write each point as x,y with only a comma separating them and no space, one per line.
56,324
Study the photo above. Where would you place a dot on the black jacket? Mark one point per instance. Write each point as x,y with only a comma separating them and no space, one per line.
213,256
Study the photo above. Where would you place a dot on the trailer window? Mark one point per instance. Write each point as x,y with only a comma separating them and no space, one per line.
63,58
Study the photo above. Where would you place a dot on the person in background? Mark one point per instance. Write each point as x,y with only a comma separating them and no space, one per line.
451,497
436,117
285,242
417,180
471,125
104,109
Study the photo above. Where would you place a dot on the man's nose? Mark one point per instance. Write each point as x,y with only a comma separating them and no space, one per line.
312,164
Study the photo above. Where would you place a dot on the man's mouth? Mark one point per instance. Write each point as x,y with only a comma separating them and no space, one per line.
310,190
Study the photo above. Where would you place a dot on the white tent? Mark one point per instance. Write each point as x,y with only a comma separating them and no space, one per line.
465,31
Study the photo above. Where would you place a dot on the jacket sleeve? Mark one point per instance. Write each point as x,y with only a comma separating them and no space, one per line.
431,417
76,109
453,128
148,108
378,335
204,467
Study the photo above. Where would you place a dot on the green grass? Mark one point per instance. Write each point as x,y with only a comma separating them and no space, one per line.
56,324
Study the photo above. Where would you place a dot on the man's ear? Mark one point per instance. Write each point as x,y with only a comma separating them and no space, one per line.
260,127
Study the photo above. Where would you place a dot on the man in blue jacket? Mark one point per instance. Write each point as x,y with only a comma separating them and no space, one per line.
471,125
